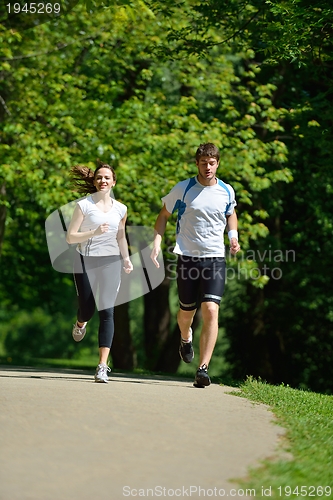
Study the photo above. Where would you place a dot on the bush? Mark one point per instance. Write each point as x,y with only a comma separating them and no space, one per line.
38,334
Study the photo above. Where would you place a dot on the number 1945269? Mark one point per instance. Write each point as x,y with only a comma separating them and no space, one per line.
34,8
305,491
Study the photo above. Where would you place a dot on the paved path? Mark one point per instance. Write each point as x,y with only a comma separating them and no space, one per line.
63,437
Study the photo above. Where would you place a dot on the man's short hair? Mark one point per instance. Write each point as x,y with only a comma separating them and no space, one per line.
208,149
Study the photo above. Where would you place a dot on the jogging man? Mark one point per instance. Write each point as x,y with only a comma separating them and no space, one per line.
205,207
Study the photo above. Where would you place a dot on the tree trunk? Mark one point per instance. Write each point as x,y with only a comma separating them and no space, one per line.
256,340
257,344
2,214
122,351
156,322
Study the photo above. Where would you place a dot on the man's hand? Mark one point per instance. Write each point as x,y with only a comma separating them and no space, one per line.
234,246
154,255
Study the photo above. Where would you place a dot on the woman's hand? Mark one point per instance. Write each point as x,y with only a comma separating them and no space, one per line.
128,267
154,254
103,228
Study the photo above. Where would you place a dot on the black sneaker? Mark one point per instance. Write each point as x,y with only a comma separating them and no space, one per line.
201,377
186,351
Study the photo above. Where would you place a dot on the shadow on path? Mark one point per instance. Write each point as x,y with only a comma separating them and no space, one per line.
72,374
80,441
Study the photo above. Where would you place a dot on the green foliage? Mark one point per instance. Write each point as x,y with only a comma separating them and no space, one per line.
296,31
93,84
284,332
36,334
103,94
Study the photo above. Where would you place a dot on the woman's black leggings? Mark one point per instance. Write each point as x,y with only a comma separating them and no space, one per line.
97,281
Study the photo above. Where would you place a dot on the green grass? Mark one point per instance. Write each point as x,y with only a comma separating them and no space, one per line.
308,420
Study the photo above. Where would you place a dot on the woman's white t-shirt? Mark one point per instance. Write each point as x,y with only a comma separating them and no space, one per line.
106,243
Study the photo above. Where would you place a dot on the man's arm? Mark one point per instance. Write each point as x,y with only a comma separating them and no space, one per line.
159,227
232,226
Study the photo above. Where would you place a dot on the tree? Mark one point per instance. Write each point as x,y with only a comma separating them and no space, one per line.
146,115
282,332
279,30
295,312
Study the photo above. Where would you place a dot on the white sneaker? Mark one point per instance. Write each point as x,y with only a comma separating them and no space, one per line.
79,333
101,374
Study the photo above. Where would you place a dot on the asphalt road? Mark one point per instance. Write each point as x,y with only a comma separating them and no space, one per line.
64,437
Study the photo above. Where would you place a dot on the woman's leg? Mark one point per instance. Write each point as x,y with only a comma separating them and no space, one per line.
105,334
106,328
84,291
108,282
104,355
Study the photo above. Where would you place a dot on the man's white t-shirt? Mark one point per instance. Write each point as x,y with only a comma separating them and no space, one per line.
106,243
202,212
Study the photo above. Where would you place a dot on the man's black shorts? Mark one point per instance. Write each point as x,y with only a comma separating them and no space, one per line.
200,280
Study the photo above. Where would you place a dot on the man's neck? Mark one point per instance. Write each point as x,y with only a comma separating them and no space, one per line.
206,182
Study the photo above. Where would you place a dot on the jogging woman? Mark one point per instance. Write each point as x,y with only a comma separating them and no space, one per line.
98,227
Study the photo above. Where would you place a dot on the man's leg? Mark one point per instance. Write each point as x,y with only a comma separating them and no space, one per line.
208,337
185,319
212,286
187,282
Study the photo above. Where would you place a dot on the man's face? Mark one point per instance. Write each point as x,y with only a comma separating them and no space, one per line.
207,167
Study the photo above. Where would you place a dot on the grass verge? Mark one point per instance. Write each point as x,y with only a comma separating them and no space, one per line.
308,420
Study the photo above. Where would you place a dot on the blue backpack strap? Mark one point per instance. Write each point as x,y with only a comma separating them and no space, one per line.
181,205
221,183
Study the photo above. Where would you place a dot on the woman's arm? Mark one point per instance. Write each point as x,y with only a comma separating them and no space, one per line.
73,234
123,247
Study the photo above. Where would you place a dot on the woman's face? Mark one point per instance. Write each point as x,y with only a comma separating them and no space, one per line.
104,179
